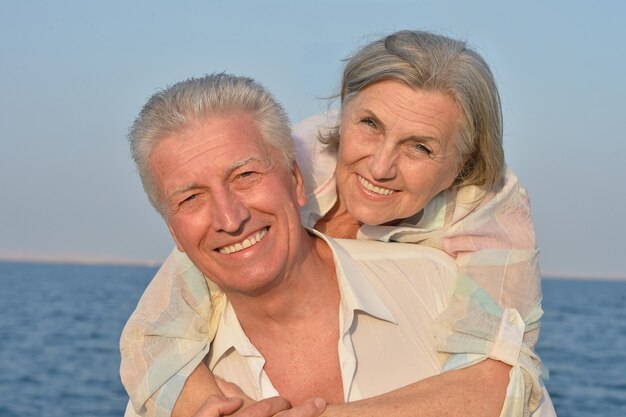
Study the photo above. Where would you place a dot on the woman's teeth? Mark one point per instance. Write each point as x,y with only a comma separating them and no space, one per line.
371,187
251,241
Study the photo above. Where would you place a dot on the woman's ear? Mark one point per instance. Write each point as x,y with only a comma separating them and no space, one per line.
298,182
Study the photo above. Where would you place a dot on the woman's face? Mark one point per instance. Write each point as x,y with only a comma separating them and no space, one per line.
397,151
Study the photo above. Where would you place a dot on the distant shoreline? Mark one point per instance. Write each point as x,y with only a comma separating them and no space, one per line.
584,277
81,261
152,263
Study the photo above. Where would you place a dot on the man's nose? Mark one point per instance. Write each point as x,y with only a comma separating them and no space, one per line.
383,161
230,213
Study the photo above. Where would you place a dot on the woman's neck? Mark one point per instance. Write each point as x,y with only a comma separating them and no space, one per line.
338,222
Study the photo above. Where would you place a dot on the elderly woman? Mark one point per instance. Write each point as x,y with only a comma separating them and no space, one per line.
415,155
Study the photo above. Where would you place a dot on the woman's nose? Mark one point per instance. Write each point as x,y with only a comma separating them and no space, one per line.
383,162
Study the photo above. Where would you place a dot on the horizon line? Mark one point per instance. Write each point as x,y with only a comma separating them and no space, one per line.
95,260
78,260
584,276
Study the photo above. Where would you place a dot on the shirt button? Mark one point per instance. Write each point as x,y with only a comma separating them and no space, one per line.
512,318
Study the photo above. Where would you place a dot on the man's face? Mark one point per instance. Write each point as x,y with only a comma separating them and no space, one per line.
230,203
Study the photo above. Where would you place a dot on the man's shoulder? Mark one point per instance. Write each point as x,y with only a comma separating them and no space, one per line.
375,250
409,280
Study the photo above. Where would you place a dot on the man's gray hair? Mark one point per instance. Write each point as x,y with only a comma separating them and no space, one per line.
433,62
178,106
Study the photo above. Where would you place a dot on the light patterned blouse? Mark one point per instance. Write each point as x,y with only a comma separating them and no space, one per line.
490,236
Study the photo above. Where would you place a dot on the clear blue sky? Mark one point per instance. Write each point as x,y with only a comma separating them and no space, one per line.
73,75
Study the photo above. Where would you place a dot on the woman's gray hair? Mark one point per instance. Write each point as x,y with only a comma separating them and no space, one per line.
433,62
178,106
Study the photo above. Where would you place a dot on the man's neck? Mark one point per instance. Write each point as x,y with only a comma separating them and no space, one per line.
297,321
310,283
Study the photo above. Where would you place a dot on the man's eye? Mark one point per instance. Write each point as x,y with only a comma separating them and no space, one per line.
190,198
247,176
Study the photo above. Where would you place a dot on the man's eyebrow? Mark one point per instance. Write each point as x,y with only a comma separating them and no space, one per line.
240,163
191,185
183,189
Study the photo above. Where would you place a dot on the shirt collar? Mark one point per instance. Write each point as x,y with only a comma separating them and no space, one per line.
356,292
356,295
230,335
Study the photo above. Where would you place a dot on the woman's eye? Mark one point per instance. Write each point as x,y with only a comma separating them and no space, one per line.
369,122
422,149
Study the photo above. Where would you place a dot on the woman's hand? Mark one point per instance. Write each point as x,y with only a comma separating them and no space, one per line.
236,403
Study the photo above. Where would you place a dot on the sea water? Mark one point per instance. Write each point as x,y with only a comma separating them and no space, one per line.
59,337
60,328
583,346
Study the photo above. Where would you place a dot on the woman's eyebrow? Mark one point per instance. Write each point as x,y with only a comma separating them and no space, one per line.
421,138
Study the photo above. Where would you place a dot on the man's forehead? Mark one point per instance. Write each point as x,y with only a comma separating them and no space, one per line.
218,131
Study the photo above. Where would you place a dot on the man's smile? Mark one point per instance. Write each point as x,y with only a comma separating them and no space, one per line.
246,243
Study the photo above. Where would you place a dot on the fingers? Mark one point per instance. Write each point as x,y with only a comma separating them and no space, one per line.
229,389
217,406
265,408
232,390
310,408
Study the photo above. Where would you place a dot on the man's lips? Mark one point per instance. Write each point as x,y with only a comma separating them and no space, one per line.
244,244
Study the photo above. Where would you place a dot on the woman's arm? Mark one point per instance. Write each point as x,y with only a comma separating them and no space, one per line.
491,237
223,398
476,391
494,244
168,335
200,388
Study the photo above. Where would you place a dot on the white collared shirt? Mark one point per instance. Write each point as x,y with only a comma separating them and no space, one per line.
390,295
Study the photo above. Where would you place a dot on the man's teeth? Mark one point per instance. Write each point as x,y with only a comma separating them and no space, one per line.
378,190
251,241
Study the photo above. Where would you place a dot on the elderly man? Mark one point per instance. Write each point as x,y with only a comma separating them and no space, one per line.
305,316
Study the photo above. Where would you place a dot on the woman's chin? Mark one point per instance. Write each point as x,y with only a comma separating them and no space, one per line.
374,218
378,217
